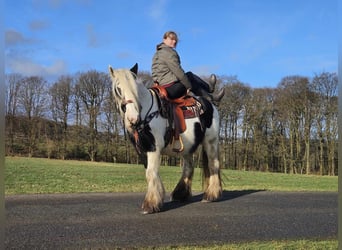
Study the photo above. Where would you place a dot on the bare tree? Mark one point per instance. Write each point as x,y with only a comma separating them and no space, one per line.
12,83
291,129
61,107
12,88
112,126
32,99
260,119
295,107
91,89
325,86
281,131
231,111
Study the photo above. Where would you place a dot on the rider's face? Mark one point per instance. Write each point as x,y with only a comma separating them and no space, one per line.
170,41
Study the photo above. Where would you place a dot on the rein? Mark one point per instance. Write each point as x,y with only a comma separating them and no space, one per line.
148,117
140,127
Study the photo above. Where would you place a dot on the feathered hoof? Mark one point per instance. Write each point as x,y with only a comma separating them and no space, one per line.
181,195
182,191
211,197
149,208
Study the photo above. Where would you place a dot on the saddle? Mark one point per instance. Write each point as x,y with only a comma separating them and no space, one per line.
176,111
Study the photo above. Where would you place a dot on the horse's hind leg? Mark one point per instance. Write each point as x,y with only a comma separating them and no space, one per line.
182,191
154,197
211,173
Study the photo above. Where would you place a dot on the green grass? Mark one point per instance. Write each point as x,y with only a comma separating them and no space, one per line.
268,245
36,176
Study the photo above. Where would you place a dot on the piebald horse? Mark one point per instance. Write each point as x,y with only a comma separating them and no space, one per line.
140,110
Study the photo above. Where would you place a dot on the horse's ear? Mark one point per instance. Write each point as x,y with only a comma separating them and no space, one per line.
134,69
111,70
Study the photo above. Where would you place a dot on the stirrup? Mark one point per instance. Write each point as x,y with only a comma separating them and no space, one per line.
177,145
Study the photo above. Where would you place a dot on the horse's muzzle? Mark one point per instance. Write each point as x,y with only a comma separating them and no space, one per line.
133,120
132,123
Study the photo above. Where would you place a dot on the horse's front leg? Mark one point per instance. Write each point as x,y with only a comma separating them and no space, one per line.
182,191
155,190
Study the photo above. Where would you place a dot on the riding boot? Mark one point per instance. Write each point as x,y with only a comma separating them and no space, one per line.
198,83
212,83
216,98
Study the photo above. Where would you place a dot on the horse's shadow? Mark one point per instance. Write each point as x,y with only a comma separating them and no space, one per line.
226,196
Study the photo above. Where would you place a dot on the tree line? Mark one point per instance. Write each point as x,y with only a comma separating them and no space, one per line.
291,128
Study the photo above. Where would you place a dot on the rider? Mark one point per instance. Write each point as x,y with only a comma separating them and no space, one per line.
167,71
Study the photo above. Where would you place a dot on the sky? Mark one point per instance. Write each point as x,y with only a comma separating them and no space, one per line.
258,41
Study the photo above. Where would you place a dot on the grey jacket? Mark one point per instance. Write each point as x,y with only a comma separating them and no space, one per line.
166,67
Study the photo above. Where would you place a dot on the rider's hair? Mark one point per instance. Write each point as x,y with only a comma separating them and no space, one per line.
171,34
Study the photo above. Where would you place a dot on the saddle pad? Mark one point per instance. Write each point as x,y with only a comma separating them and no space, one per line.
192,111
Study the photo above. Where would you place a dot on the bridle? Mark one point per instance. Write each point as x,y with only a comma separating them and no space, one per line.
139,128
148,116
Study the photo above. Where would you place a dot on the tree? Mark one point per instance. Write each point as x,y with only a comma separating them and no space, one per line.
296,107
325,85
12,83
61,94
90,88
32,101
231,109
111,125
290,129
259,123
12,88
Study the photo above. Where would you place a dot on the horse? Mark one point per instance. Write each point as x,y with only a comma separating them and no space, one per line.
140,111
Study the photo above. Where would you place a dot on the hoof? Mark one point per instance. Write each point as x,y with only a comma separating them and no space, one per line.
211,198
182,192
181,196
205,201
150,209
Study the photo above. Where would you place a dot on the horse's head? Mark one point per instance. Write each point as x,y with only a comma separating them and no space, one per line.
125,91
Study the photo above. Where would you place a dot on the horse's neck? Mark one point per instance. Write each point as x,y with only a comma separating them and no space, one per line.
146,99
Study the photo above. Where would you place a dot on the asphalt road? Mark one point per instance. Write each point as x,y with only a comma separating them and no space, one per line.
113,220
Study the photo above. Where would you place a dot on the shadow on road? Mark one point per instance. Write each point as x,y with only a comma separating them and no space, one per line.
226,196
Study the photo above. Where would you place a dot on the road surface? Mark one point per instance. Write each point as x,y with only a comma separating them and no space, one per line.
114,220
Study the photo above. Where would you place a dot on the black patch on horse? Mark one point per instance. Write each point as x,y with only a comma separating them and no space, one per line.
206,119
207,116
199,135
145,141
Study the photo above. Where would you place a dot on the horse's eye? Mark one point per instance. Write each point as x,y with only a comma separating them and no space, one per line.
123,107
118,91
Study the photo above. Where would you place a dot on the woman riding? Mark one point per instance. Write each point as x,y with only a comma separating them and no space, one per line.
167,71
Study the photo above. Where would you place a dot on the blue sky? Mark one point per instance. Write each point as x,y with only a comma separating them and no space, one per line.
259,41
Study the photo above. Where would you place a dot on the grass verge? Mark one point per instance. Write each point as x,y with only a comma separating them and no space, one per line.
268,245
36,176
